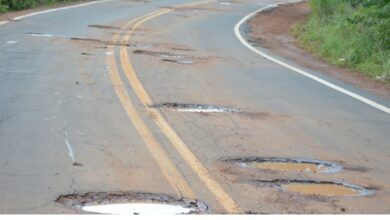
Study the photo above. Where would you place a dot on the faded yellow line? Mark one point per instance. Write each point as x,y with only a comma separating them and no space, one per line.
169,170
215,188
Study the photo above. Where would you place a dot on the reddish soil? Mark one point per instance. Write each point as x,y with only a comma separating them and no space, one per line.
272,30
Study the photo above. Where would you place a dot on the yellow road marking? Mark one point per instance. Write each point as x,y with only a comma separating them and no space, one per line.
170,171
220,194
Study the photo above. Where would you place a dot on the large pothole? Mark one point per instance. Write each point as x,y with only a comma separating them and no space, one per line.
132,203
321,188
287,164
202,108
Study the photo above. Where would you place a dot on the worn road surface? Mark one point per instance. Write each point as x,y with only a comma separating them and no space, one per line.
82,94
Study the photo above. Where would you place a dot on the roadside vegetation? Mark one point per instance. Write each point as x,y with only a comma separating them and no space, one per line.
350,33
15,5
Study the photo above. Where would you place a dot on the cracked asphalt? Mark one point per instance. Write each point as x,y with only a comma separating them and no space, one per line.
77,116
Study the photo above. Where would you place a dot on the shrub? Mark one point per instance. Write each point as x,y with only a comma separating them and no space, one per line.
352,33
24,4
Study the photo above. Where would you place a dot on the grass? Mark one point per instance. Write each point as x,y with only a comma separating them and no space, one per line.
16,5
348,35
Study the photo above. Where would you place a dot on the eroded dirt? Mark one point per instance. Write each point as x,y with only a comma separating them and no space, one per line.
272,30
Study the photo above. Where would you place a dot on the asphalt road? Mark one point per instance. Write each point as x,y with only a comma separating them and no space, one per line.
77,94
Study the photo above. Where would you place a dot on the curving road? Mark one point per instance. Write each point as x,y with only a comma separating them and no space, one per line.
81,91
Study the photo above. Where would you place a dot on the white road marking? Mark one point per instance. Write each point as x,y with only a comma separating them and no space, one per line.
12,42
315,78
55,9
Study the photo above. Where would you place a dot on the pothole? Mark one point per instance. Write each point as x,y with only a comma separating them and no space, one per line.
287,164
152,53
104,26
36,34
201,108
167,57
179,61
132,203
321,188
101,41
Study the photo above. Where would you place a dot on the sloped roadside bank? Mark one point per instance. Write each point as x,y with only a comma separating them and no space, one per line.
272,30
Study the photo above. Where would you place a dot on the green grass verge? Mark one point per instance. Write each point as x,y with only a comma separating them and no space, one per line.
354,36
16,5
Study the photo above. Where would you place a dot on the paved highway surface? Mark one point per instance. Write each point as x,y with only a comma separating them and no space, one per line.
82,94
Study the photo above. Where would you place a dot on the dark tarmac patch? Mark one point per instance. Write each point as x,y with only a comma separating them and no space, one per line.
286,164
319,188
80,201
181,49
104,26
201,108
258,115
77,164
178,61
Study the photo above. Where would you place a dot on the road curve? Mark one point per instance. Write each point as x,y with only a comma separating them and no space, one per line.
78,90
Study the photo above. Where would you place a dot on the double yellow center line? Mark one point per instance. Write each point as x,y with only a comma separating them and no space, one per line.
170,171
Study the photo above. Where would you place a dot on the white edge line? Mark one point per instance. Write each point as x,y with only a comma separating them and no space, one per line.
55,9
315,78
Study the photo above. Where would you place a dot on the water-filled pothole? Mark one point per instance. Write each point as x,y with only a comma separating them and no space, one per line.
202,108
287,164
321,188
132,203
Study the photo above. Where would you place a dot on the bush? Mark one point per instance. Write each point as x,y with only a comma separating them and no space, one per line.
20,4
3,6
352,33
24,4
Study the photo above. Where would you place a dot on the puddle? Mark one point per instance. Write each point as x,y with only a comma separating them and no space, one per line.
321,188
201,108
12,42
139,209
225,3
132,203
39,34
287,164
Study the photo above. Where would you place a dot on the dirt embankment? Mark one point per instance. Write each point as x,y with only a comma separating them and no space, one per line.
272,30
